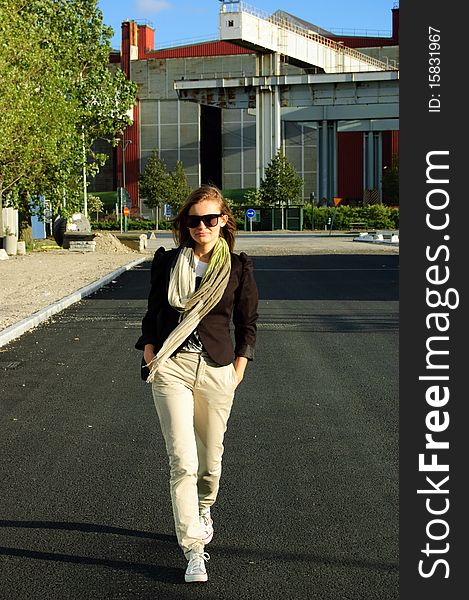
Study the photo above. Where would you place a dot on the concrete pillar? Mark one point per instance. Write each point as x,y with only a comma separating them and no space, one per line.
378,170
268,124
333,157
368,163
372,161
323,151
327,160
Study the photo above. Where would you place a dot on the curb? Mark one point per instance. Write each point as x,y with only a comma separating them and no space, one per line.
17,329
386,243
372,238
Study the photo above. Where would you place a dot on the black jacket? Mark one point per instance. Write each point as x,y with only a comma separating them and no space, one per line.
239,302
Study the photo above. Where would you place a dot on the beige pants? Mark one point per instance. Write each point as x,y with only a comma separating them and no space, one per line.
193,398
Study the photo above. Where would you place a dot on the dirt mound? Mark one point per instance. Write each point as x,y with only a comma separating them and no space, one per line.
108,243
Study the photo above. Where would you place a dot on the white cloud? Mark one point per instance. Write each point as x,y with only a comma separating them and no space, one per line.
153,6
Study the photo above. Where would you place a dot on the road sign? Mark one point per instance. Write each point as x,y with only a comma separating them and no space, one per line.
123,197
250,213
126,211
128,199
167,210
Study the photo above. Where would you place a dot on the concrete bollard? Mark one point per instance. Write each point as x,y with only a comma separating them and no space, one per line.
21,248
11,244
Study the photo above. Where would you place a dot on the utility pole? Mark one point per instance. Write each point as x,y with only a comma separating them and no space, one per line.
85,183
123,194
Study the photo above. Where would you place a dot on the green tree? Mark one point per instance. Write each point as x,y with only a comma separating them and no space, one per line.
178,188
57,95
281,185
104,96
253,198
35,113
154,184
95,205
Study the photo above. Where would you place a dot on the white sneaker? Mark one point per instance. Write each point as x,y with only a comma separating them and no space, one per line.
196,570
206,523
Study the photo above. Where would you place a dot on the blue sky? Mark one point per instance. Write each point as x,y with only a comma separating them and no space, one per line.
184,20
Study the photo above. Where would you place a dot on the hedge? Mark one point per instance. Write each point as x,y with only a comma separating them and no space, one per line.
374,216
142,225
132,225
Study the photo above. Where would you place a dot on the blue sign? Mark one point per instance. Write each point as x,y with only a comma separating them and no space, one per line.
38,225
250,213
167,210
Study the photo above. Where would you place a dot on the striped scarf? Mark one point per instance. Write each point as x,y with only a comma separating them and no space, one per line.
194,305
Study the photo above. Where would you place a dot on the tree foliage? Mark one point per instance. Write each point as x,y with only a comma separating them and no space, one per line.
95,205
281,185
57,96
253,198
154,181
179,189
158,186
32,100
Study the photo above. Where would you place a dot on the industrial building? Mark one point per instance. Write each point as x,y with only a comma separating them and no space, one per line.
223,107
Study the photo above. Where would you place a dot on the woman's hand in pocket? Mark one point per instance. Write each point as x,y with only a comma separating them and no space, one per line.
148,353
240,366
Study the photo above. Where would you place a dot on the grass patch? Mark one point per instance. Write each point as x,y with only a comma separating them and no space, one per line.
44,245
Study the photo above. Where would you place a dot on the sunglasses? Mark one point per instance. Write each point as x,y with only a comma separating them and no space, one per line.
193,221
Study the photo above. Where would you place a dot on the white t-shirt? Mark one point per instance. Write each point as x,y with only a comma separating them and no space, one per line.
200,268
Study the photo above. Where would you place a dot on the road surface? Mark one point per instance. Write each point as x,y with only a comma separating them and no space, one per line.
308,507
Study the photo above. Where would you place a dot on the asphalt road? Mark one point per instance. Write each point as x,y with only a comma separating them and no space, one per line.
308,507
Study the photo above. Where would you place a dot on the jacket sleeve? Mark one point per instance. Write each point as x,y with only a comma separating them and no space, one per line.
156,299
245,310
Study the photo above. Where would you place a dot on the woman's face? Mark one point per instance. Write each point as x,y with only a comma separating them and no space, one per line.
202,234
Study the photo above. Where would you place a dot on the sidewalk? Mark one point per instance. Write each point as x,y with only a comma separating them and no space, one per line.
36,286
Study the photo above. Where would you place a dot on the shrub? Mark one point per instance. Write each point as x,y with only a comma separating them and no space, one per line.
375,216
132,225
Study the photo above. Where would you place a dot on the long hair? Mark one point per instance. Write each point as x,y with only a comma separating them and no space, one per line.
181,232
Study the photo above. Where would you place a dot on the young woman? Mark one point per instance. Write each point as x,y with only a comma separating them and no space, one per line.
196,290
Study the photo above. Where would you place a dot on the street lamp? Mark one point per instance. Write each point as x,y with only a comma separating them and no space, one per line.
125,143
85,182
